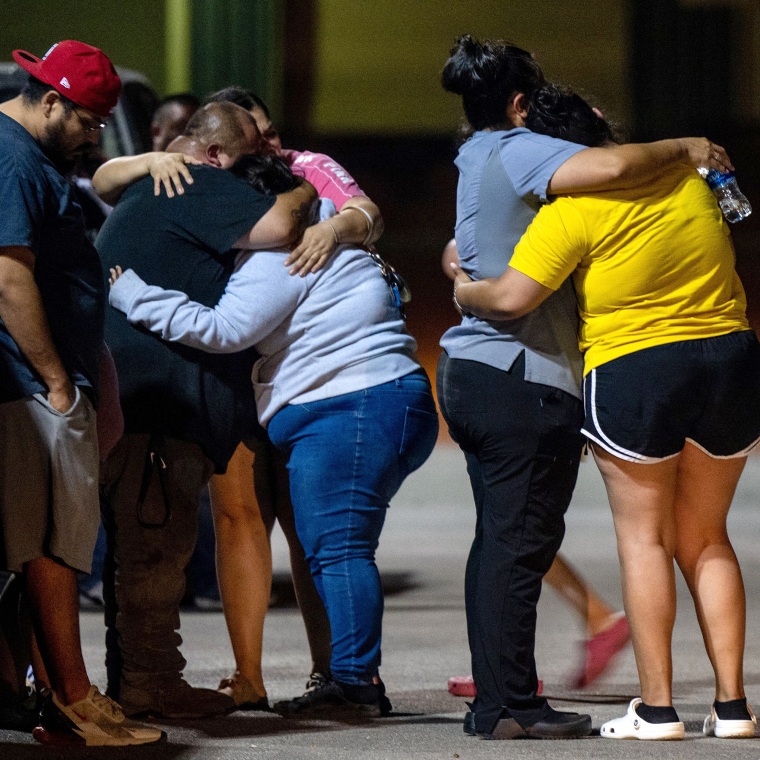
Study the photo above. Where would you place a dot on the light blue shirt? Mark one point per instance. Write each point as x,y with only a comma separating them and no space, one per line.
503,177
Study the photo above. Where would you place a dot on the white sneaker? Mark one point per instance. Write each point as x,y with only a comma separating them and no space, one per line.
729,729
633,726
95,721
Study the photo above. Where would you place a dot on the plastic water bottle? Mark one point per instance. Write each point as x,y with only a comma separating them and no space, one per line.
731,200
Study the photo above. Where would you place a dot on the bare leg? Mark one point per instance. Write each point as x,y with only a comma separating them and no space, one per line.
54,606
41,678
243,562
642,499
596,615
706,558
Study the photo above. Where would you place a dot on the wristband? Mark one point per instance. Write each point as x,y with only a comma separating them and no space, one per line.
335,232
459,306
370,222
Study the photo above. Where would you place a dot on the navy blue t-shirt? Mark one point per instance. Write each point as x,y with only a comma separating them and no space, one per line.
182,243
39,211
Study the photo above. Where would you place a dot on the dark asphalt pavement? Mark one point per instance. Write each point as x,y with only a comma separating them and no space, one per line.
422,558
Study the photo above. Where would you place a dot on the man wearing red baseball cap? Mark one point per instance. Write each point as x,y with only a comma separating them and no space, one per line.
52,306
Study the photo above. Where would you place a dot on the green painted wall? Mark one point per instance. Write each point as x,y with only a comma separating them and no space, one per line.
131,32
238,42
378,61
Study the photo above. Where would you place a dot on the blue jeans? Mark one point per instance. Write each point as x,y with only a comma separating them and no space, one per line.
347,457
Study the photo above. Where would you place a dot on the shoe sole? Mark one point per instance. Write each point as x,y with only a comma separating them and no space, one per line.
509,728
51,739
339,709
745,729
674,734
328,711
140,713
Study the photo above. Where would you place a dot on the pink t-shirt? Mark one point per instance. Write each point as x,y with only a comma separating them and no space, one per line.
329,178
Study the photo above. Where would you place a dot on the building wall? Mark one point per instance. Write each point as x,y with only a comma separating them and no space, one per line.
378,63
130,32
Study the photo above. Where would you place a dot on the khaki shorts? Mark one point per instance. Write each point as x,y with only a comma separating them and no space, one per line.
49,503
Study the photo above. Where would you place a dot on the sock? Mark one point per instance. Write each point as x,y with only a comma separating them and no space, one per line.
734,709
652,714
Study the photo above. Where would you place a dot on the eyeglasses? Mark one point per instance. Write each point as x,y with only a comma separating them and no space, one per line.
400,293
89,126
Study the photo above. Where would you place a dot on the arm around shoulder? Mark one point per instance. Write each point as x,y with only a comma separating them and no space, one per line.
615,167
284,223
113,177
169,171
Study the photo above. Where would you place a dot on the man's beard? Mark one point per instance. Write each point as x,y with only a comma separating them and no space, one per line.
53,145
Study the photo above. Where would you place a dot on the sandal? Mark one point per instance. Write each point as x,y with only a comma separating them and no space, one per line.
729,729
243,694
633,726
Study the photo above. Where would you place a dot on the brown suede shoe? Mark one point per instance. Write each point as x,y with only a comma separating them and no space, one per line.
171,698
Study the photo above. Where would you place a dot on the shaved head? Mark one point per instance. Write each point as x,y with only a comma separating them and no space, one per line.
219,134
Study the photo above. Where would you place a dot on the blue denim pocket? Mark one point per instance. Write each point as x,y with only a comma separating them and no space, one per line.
419,437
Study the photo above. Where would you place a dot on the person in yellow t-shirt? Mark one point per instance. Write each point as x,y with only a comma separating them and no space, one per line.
648,268
671,396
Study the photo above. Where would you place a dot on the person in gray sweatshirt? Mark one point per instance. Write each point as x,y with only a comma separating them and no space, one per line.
340,391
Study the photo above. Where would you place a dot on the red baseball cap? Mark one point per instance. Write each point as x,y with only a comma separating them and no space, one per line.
80,72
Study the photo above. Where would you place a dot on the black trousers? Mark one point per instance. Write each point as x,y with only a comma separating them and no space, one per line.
522,444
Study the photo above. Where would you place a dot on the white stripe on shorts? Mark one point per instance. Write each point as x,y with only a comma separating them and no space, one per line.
742,453
606,442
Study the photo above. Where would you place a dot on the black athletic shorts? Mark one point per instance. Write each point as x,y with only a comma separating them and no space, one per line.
643,407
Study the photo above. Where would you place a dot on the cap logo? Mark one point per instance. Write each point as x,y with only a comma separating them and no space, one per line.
83,73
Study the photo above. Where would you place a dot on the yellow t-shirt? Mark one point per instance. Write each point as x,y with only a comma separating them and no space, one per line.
651,265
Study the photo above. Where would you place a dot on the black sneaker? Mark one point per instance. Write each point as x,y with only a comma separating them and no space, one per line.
335,698
21,714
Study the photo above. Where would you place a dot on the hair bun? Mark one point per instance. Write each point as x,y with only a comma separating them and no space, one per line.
465,59
486,74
